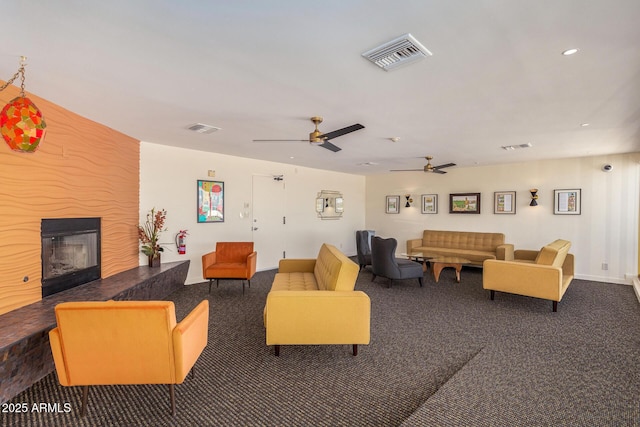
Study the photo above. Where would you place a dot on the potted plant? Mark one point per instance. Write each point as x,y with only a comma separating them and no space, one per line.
149,234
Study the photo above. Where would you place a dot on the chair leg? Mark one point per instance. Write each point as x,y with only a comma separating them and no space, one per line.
172,398
373,277
355,349
243,288
210,283
555,306
276,350
420,281
492,294
249,282
85,396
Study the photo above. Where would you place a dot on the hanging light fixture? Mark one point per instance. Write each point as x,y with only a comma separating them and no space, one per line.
21,123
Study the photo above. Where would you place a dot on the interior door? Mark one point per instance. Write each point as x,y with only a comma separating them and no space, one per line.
268,221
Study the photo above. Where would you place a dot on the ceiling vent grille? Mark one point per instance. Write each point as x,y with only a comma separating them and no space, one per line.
202,128
400,51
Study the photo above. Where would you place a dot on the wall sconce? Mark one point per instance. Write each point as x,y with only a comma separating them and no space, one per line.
409,200
21,123
534,197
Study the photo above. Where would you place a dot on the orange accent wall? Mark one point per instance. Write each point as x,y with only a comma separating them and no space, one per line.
80,169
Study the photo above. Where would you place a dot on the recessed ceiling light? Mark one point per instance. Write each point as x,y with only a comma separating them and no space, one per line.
570,51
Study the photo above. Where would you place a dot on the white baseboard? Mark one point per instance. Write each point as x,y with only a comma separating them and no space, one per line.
636,287
619,281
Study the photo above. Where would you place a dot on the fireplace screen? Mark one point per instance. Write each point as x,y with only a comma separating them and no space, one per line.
67,254
70,253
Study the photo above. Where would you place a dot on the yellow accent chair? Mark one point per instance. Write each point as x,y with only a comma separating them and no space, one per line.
126,342
545,274
312,301
230,260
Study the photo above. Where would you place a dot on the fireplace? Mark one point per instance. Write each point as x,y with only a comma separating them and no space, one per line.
70,253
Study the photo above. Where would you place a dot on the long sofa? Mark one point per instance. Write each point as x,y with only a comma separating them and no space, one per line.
313,301
474,246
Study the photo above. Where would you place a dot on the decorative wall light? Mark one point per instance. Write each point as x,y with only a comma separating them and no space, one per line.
534,197
409,200
21,123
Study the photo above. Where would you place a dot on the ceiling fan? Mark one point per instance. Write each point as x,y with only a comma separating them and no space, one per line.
318,138
428,167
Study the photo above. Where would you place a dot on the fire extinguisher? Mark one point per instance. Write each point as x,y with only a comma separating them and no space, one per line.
181,242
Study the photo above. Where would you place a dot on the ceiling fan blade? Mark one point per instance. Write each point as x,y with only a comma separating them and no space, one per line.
406,170
438,171
330,146
280,140
448,165
343,131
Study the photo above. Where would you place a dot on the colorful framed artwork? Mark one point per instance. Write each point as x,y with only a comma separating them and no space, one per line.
504,202
429,203
210,201
464,203
393,205
567,202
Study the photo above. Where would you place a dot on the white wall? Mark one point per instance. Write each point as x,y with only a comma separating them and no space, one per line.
605,232
168,178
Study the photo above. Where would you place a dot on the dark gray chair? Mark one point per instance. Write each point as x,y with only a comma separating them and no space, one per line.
385,264
363,246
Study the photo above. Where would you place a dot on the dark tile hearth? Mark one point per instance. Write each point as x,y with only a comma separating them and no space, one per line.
25,355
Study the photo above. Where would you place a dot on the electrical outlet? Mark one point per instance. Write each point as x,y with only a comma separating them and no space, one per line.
605,266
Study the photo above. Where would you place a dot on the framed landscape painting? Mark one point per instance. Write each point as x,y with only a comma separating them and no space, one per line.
464,203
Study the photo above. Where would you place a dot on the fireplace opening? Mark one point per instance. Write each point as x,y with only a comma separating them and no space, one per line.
70,253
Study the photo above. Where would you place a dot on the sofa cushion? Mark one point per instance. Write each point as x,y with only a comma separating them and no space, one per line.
294,282
462,239
334,271
554,253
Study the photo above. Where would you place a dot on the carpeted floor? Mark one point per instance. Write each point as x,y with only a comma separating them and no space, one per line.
440,355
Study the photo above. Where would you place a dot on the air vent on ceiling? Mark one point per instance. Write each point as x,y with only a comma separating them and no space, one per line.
202,128
397,52
514,147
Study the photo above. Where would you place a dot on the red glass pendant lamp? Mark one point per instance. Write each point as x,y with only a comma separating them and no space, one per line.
21,123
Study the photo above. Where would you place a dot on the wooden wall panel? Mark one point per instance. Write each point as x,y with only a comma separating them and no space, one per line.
81,169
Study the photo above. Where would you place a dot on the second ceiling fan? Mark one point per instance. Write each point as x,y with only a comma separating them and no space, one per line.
428,167
318,138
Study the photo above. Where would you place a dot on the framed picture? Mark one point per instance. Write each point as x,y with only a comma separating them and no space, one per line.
210,201
464,203
393,205
429,203
567,202
504,202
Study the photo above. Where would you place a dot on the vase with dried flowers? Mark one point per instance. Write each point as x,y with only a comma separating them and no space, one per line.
149,234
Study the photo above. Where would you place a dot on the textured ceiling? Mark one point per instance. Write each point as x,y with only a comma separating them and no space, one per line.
260,70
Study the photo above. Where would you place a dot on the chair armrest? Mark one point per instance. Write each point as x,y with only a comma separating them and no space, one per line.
523,278
525,254
505,252
58,357
207,260
190,338
296,265
413,243
317,317
252,259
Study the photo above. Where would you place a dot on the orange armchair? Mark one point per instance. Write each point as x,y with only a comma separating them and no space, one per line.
230,260
126,342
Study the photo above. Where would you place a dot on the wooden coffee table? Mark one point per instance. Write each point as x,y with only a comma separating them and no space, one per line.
420,257
440,262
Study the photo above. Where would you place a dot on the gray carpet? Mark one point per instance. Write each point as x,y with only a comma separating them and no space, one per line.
440,355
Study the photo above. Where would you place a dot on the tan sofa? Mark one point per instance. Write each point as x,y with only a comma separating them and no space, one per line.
313,301
544,274
473,246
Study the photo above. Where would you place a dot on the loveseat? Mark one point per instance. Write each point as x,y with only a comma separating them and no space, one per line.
473,246
544,274
313,301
